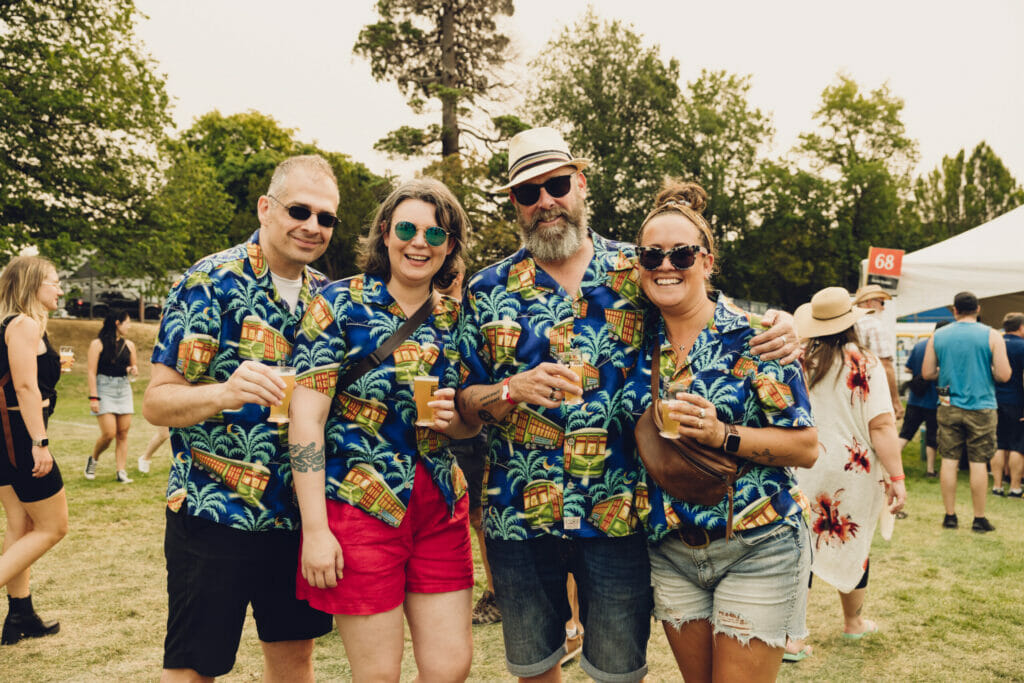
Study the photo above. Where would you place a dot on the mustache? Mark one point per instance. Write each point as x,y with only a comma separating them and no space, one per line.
548,215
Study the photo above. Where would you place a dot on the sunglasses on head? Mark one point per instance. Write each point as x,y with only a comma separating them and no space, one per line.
434,235
527,194
301,212
681,257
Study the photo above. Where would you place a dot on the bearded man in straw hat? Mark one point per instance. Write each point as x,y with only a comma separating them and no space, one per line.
877,339
965,357
563,467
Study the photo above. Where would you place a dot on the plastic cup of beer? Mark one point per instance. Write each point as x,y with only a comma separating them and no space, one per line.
669,426
424,388
67,358
574,360
279,414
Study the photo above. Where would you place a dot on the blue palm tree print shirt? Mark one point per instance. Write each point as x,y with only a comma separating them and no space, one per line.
232,468
569,471
372,445
746,391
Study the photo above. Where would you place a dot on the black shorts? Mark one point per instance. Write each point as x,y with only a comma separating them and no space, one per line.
213,573
1010,430
29,489
912,420
471,454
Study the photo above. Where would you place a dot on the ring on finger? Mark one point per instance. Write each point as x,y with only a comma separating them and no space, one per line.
700,424
701,414
552,395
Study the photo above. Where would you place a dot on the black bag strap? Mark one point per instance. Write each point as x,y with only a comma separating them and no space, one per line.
378,355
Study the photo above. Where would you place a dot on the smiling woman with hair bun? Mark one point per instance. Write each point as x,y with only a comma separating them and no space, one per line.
731,624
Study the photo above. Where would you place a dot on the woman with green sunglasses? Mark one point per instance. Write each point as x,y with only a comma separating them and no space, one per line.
385,514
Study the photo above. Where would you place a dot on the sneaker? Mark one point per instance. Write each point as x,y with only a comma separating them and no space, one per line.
143,465
949,522
122,477
573,646
1015,493
982,525
486,611
998,492
931,475
90,467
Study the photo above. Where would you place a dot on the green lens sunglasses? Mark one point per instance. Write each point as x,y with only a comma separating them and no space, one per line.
434,235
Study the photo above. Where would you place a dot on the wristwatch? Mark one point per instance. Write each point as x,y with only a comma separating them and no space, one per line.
732,440
40,442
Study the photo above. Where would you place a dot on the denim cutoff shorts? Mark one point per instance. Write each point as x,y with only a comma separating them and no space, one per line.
752,586
614,589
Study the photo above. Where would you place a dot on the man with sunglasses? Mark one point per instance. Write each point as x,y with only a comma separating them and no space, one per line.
232,534
562,477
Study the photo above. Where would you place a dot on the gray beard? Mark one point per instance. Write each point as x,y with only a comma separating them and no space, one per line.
554,245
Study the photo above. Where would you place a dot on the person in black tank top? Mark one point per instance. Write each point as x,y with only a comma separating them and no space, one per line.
112,368
31,488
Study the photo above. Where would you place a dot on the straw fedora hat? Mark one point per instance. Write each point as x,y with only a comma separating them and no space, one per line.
536,151
869,292
828,312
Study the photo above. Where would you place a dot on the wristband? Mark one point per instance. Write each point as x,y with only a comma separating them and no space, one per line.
94,398
897,477
506,390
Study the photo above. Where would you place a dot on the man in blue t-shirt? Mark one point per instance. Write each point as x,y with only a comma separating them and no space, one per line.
921,405
965,357
1010,397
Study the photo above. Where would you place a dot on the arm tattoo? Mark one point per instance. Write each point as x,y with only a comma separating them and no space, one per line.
306,458
765,457
486,417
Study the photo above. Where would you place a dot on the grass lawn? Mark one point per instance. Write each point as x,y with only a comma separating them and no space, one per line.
948,603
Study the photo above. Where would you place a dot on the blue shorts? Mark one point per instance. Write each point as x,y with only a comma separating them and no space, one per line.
614,588
752,586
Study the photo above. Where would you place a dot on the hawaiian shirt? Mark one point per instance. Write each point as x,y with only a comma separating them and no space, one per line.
233,468
572,470
746,391
372,445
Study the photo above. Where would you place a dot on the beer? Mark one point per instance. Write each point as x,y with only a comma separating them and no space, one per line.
424,388
279,414
67,358
669,426
573,360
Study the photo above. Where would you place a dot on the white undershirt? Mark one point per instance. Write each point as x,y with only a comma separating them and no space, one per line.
287,289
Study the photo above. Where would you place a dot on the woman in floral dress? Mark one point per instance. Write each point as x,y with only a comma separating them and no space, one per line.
858,476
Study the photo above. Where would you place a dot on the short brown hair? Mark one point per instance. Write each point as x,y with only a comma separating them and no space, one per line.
449,214
1012,321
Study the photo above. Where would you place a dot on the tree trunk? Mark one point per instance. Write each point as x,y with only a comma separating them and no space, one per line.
449,101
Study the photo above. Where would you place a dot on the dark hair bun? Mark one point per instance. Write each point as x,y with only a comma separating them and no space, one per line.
683,193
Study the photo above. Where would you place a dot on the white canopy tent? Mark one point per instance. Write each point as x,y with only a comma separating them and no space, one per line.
987,260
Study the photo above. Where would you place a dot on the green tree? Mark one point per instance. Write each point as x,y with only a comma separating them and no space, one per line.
790,253
616,102
962,193
862,140
723,141
82,109
448,50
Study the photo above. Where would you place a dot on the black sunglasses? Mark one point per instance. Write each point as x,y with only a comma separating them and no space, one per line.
527,194
301,212
682,257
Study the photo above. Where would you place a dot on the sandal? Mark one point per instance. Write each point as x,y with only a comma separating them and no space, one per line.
804,652
872,628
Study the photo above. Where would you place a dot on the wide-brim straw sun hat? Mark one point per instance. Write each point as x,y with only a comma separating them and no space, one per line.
830,311
869,292
537,151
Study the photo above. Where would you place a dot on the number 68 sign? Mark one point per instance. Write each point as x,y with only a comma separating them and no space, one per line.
887,262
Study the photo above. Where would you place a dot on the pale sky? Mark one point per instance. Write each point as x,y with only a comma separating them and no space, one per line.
959,67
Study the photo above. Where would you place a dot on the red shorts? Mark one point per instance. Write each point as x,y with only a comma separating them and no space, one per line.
428,553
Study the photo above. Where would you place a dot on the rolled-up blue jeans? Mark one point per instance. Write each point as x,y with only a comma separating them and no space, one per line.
613,580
